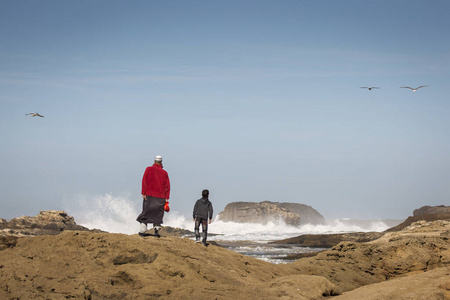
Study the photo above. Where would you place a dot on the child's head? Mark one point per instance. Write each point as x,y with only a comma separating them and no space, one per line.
205,193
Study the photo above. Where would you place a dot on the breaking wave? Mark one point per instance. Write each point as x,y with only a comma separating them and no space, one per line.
117,214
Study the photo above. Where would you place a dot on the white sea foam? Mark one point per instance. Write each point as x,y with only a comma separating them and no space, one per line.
106,212
117,214
277,230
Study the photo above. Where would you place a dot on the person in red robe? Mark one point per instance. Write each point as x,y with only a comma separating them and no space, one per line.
155,193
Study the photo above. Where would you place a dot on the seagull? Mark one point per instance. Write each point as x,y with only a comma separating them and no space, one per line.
34,115
414,90
370,88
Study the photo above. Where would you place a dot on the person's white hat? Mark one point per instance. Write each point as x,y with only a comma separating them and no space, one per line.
158,158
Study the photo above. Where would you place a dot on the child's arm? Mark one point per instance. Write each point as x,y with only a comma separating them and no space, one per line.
210,212
195,210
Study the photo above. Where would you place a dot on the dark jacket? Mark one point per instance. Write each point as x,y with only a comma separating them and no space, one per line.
203,209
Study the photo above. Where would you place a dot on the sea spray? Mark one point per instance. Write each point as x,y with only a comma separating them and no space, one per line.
344,225
232,231
106,212
117,214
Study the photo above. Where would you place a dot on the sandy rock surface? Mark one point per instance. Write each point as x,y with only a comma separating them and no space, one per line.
412,263
431,285
418,248
88,265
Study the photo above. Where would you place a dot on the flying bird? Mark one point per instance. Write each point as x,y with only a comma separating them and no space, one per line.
34,115
413,89
370,87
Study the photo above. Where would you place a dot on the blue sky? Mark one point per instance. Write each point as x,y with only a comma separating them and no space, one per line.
254,100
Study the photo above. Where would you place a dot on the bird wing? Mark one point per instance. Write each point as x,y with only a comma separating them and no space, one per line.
406,87
421,86
34,115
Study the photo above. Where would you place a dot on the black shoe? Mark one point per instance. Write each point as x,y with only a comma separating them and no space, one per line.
157,234
141,234
204,243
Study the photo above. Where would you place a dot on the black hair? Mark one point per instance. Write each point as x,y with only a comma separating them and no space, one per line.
205,193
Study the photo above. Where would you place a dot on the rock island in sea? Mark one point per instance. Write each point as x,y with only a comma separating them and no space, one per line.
294,214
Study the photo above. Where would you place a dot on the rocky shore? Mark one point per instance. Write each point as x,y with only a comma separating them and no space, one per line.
50,222
426,213
329,240
81,264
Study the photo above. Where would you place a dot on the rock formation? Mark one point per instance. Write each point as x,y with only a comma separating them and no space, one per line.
98,265
413,263
53,222
88,265
420,247
434,285
329,240
49,222
427,210
426,213
294,214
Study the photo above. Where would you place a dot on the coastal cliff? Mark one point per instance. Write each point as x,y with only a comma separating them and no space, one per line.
294,214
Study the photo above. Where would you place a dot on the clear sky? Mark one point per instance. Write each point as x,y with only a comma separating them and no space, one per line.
254,100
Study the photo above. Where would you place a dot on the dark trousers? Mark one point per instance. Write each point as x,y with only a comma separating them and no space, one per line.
204,223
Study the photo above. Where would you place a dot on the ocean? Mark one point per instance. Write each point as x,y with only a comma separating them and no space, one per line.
116,214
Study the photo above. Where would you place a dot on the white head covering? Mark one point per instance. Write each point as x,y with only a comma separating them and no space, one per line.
158,158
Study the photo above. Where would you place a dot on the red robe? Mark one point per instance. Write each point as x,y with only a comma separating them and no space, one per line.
155,182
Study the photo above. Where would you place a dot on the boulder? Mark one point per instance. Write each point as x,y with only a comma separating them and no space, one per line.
294,214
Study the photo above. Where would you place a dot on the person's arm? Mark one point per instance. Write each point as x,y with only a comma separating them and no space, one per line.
167,188
144,184
210,212
195,210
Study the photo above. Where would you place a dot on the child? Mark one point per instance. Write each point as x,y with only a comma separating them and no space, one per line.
203,210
